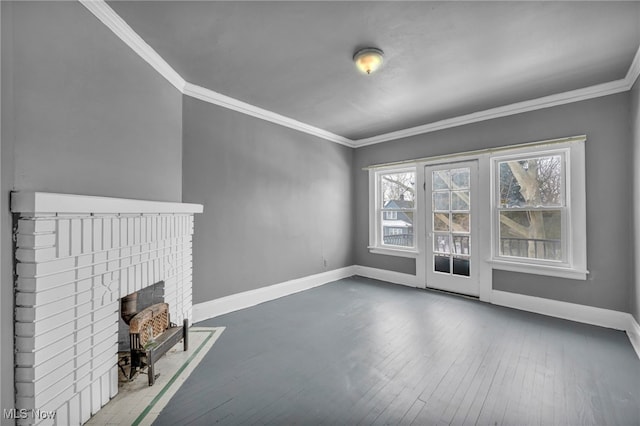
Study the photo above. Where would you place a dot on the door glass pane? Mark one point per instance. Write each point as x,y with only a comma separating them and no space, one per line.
460,178
460,222
441,201
441,221
461,266
441,243
461,244
442,264
460,200
441,179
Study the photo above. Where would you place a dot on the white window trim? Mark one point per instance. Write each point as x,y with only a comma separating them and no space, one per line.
576,177
375,218
574,266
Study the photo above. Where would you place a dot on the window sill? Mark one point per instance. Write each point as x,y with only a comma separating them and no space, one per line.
547,270
393,252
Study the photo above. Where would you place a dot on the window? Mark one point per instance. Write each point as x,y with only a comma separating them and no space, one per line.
394,210
538,215
531,207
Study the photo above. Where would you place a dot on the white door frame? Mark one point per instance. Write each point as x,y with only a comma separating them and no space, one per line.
483,191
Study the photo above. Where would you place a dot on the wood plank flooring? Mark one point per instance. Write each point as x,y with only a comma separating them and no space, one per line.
360,351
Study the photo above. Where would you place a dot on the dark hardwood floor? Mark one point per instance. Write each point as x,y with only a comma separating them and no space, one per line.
359,351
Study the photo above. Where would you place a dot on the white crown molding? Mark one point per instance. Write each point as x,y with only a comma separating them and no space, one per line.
216,98
119,27
577,95
634,70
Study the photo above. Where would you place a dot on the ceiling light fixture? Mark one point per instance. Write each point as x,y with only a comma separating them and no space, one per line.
368,60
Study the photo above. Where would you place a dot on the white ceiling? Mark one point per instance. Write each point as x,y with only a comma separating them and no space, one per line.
442,59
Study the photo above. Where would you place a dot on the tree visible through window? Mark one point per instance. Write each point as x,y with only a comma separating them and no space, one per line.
531,207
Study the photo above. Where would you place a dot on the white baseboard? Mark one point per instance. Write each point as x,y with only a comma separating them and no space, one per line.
633,331
388,276
555,308
234,302
571,311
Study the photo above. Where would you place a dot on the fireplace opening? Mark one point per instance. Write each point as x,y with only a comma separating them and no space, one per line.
133,303
146,332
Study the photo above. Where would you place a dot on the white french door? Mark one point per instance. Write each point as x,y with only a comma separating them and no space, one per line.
452,227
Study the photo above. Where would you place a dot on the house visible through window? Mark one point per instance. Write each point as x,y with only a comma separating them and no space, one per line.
395,209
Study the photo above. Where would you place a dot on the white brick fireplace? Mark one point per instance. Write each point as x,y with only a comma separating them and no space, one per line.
76,256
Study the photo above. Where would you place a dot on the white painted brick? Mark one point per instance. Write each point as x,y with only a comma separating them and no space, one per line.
83,351
25,299
83,329
63,376
145,274
125,261
36,255
45,282
137,231
30,373
28,344
63,234
76,237
34,357
36,240
84,260
87,235
96,397
106,234
148,220
74,410
115,232
130,232
105,391
84,273
102,363
85,404
62,415
45,268
84,380
31,226
96,242
100,267
123,232
27,329
131,280
62,395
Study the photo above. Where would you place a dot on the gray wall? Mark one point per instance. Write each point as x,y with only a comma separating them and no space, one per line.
605,121
277,202
81,113
91,117
6,249
634,296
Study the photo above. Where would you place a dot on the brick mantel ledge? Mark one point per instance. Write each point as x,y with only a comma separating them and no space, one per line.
49,202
